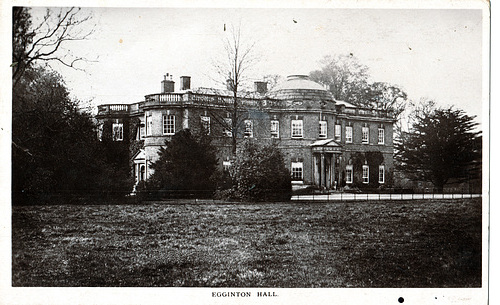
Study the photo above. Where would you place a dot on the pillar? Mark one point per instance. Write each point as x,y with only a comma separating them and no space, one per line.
323,176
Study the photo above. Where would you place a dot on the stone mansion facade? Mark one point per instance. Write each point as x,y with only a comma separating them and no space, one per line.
326,143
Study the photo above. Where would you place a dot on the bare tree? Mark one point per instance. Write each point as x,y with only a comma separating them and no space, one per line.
239,59
45,41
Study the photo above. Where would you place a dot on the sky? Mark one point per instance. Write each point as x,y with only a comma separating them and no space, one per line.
431,53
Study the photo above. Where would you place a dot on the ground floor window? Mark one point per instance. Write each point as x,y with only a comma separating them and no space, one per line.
205,123
348,174
226,165
381,174
297,171
142,173
366,174
248,129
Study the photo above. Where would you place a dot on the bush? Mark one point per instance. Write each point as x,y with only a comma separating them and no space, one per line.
186,168
258,173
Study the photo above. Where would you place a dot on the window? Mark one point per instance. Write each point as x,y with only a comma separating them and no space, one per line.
381,174
348,134
226,165
229,126
348,174
381,136
248,129
275,129
323,132
100,128
297,129
297,171
366,174
365,135
338,132
142,172
149,125
141,132
169,124
118,132
205,123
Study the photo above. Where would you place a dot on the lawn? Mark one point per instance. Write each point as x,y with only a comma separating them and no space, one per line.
421,243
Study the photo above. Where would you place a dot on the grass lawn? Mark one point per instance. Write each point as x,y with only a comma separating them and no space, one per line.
421,243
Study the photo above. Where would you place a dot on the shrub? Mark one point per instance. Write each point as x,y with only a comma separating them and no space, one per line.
258,173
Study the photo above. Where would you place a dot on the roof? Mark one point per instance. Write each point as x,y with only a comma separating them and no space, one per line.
326,142
349,105
299,82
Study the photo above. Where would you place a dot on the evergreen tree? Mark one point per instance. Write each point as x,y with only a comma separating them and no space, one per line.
187,162
55,151
442,144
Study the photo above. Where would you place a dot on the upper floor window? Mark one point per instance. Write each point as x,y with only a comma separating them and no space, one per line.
169,124
297,171
381,136
117,131
100,128
275,129
297,129
365,135
381,174
348,174
149,125
348,134
205,123
338,132
248,129
366,174
141,132
323,130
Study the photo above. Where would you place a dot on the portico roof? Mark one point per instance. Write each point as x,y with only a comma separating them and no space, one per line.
326,146
326,142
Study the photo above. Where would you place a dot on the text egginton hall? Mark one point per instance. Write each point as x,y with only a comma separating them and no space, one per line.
326,143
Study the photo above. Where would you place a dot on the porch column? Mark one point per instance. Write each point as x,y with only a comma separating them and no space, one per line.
332,170
323,174
316,169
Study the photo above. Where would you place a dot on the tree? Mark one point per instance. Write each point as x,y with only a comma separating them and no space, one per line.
239,59
186,162
442,144
259,174
45,41
345,77
386,97
55,151
348,80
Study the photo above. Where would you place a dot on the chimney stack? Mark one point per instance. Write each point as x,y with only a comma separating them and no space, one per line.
167,84
229,84
185,82
260,87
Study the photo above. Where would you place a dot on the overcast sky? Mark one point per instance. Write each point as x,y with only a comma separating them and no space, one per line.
435,54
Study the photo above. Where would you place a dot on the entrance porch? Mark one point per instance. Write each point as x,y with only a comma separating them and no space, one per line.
325,154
